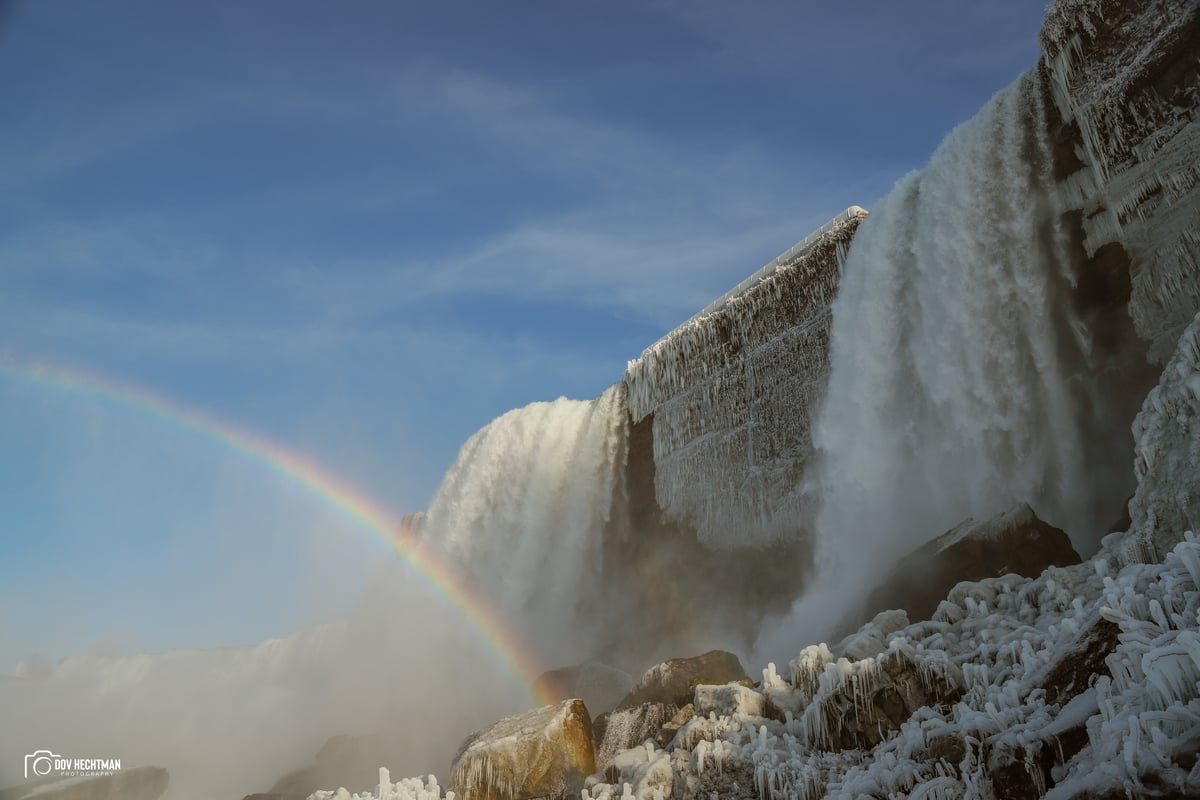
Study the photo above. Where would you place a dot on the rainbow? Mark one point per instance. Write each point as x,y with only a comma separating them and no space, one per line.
348,501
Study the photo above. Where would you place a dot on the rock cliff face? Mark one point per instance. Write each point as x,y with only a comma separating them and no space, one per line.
728,396
1126,80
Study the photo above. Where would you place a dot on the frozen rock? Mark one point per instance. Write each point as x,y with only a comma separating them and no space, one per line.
674,682
858,704
628,728
729,700
1167,456
1079,663
544,752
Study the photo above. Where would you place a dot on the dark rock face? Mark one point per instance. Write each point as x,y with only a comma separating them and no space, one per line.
1016,542
547,752
1074,672
140,783
349,761
598,685
674,682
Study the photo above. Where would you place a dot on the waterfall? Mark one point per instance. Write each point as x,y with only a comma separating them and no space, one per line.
523,512
960,381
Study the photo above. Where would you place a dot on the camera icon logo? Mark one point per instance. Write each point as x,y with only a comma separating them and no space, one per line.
39,763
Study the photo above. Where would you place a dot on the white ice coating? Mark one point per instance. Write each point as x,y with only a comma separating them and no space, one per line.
523,510
958,382
732,391
1141,149
1167,449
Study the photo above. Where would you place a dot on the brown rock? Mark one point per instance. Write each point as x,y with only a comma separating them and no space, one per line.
1015,542
674,682
546,752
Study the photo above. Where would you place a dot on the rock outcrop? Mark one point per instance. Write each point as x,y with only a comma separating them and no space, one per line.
674,682
1016,542
547,752
651,711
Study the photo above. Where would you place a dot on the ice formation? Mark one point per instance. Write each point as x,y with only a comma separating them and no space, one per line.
523,512
1167,435
405,789
731,391
1116,70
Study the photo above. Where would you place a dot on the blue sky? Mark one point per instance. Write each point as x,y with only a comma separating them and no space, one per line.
365,229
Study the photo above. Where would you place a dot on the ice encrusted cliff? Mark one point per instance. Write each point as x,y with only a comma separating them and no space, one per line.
731,393
1126,76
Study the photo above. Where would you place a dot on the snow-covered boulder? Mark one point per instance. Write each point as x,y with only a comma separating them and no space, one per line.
731,699
546,752
600,686
628,728
1014,542
674,682
858,704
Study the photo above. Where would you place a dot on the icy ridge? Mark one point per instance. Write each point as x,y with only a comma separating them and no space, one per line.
731,393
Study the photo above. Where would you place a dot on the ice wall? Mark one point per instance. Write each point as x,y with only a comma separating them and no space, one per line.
523,511
1127,76
731,392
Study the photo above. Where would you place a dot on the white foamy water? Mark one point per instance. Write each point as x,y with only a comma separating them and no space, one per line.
959,380
523,511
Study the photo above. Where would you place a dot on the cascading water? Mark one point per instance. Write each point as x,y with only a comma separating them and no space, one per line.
959,381
523,511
